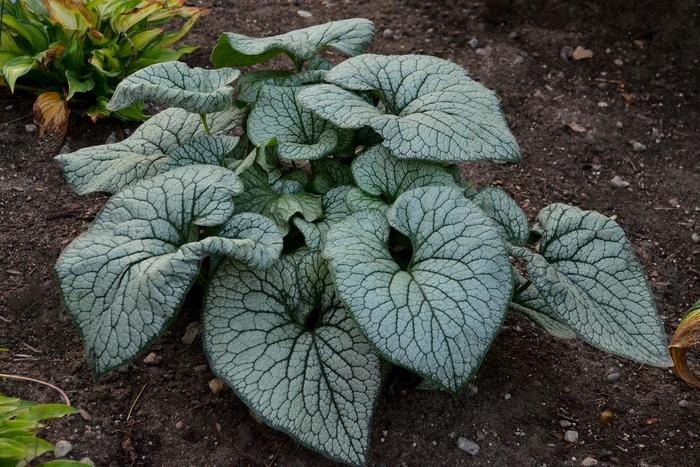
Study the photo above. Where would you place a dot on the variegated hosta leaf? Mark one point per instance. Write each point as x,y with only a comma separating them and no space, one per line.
286,345
439,315
330,173
250,84
349,37
174,84
335,209
587,272
280,201
298,133
528,301
379,173
433,110
509,218
111,167
124,279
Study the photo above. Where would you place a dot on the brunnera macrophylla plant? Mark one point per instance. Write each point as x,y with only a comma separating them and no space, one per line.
338,232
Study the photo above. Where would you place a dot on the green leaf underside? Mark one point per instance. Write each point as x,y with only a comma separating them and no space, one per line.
124,279
590,277
349,37
379,173
112,167
317,384
435,111
174,84
439,316
509,218
280,201
299,134
530,303
335,209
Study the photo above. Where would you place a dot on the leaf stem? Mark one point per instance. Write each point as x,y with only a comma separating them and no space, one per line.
203,117
64,396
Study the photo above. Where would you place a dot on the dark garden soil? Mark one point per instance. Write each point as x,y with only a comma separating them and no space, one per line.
640,85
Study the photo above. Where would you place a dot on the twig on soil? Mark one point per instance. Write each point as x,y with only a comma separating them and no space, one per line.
272,461
128,416
3,319
16,120
63,394
33,349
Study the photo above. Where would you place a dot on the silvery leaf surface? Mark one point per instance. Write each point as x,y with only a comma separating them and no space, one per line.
285,343
438,315
125,278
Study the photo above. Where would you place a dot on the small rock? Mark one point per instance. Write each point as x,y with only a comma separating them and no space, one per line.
112,138
152,359
85,415
191,333
200,368
695,237
614,376
618,182
485,51
618,62
589,462
179,425
606,417
582,53
304,14
30,128
618,124
576,128
62,448
571,436
684,403
637,146
473,389
388,34
88,461
474,43
9,107
566,52
513,35
602,104
507,396
564,423
216,385
468,446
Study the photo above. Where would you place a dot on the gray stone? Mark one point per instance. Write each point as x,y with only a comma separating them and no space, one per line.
191,333
684,403
589,462
695,237
637,146
88,461
485,51
571,436
304,14
388,33
564,423
151,359
30,128
468,446
474,43
112,138
612,377
618,182
62,448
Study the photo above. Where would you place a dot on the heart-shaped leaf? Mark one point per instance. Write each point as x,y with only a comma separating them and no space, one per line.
349,37
380,174
509,218
201,149
528,302
174,84
112,167
330,173
298,133
335,209
587,272
286,345
124,279
250,84
438,315
432,110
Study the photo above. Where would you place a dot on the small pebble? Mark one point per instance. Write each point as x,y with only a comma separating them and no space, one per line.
571,436
618,182
589,462
513,35
485,52
152,359
474,43
618,124
695,237
507,397
388,34
304,14
216,385
618,62
468,446
564,423
473,389
613,377
191,333
112,138
88,461
9,107
179,425
606,417
30,128
602,104
684,403
637,146
62,448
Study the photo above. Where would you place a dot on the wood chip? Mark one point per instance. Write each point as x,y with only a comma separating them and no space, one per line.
582,53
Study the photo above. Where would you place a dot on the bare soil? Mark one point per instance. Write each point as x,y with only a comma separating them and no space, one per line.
643,74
